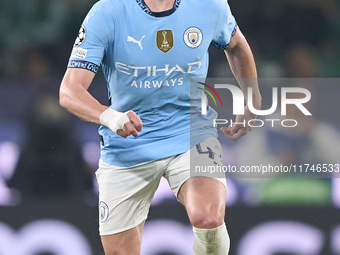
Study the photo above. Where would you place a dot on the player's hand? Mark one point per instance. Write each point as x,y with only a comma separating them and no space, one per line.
132,127
236,131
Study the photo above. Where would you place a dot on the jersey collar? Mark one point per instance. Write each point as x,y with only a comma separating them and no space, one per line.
146,9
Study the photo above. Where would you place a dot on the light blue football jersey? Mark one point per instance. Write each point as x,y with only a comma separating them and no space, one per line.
148,60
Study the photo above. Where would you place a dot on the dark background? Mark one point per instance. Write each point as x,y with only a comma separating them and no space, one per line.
48,196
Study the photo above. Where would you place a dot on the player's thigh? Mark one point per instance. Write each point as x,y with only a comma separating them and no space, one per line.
194,163
127,242
204,193
125,195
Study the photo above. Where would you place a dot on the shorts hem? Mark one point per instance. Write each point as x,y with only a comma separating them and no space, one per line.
106,233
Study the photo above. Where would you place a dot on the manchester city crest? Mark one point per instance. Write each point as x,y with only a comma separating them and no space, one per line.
193,37
103,211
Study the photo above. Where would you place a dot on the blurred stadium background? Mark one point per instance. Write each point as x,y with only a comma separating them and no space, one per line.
48,200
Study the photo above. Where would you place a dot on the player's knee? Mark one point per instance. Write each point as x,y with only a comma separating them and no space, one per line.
206,219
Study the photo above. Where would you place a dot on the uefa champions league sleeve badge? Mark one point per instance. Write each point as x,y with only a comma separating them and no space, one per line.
81,36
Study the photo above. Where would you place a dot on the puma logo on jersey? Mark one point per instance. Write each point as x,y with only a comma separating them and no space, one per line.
131,39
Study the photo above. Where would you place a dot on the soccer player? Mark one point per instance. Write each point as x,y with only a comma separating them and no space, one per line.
149,50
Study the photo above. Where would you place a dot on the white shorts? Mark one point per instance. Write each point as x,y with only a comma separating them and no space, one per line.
125,193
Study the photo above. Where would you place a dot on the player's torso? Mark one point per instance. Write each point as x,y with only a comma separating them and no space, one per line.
152,59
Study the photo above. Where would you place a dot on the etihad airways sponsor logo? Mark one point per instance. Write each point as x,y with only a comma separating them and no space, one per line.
157,83
152,71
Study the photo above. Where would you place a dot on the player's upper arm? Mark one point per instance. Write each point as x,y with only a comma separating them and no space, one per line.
238,40
74,83
77,77
225,27
94,38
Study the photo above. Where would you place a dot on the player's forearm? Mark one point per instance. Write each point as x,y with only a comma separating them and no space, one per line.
77,100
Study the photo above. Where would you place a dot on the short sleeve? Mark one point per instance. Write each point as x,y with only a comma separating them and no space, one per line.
95,34
225,28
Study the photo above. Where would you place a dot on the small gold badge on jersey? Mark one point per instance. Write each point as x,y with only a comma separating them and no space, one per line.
164,40
193,37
